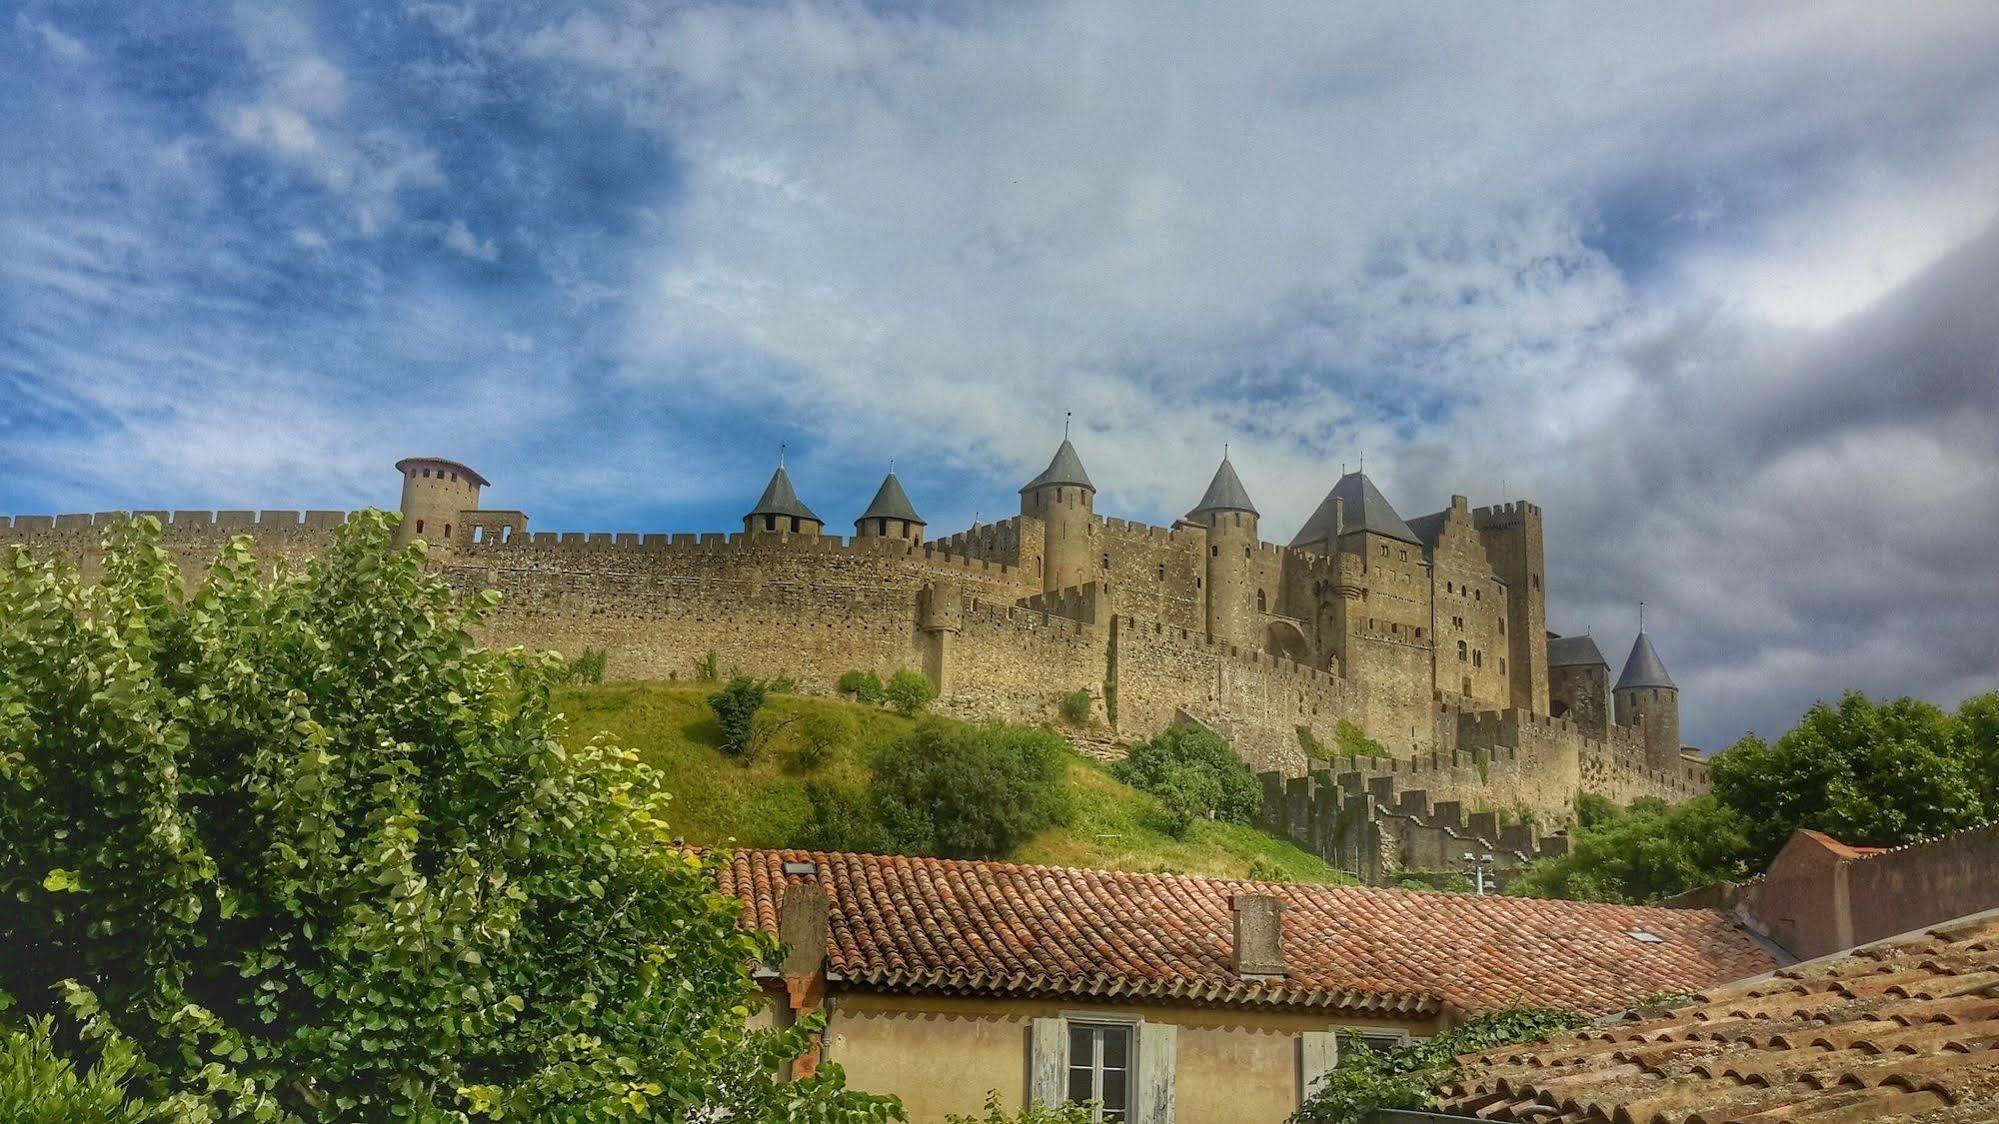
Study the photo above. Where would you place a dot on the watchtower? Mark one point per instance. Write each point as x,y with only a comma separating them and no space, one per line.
890,515
779,511
1226,511
435,491
1063,498
1647,698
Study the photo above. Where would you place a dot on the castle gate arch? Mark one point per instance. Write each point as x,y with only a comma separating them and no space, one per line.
1283,638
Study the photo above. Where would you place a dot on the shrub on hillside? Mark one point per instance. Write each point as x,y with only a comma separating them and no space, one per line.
819,734
865,686
586,668
910,691
1076,707
319,855
1354,742
1189,793
970,792
841,821
1156,766
736,707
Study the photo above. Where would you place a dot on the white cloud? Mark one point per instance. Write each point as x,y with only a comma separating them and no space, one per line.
459,238
299,117
59,44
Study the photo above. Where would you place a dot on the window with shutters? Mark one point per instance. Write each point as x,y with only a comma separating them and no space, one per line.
1100,1068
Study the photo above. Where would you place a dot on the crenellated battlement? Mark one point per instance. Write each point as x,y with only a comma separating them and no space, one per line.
544,546
230,519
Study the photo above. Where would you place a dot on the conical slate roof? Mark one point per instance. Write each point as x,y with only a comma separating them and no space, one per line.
1066,469
1644,668
891,502
780,499
1366,509
1225,493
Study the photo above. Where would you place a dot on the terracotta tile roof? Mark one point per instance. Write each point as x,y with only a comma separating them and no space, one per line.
1906,1029
913,924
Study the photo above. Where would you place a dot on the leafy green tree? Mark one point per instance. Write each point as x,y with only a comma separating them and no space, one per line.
1650,852
40,1086
1189,793
317,856
820,733
1152,765
1594,808
1870,774
973,792
736,707
910,691
841,821
1407,1076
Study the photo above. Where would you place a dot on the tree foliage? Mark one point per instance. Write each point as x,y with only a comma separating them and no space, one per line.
736,707
40,1086
1876,775
1035,1113
1649,852
865,686
1193,771
1408,1075
971,792
315,855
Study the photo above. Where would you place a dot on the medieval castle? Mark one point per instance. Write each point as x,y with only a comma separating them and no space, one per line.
1428,634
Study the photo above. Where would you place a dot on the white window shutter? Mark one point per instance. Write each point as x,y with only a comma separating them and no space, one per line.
1158,1043
1047,1061
1318,1054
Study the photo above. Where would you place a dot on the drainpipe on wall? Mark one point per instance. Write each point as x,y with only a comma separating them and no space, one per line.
801,926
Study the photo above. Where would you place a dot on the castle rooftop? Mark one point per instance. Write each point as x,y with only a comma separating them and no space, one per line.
1575,651
1644,668
1361,507
891,502
1225,493
1066,470
780,498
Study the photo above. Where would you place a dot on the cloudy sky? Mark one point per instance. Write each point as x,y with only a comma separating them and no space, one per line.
1717,285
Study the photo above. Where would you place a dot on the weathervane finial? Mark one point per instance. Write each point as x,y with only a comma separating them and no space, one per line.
780,454
1066,416
1641,616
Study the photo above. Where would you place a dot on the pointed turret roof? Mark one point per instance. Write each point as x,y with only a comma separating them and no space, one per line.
1366,509
780,498
1066,469
1225,492
891,502
1644,668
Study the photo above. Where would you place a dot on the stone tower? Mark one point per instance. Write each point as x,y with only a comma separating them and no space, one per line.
1226,511
1646,698
1579,683
1063,498
1512,536
890,515
435,491
779,511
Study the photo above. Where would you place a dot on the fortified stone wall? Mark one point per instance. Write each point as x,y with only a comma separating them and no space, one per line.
194,537
1155,571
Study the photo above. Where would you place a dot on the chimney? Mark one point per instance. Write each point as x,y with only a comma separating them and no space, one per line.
1259,935
801,928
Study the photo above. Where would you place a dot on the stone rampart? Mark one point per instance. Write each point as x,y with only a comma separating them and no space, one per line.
194,537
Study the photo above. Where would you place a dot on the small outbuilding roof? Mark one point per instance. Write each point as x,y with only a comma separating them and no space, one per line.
891,502
1575,651
780,498
1644,668
1364,509
1899,1030
1000,929
1066,469
1225,492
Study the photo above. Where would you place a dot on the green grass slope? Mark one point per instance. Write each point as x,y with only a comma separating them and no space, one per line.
718,800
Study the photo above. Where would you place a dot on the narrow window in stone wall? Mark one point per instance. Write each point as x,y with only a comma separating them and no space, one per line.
1107,561
1462,651
1261,605
1162,571
1502,626
447,530
1502,665
1384,550
770,522
1214,552
419,526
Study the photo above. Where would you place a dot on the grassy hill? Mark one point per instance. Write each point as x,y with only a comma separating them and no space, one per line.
719,800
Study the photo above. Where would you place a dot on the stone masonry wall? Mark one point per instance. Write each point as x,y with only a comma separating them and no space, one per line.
194,537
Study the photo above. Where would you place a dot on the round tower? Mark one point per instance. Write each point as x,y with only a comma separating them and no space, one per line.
1063,498
1234,615
1646,698
779,511
435,490
890,515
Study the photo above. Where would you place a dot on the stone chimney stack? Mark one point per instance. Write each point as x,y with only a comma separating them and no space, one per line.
1259,935
801,926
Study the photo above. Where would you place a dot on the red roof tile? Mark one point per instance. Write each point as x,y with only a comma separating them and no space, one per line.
915,924
1902,1030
